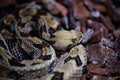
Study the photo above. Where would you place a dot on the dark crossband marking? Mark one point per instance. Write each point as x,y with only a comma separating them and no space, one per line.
58,76
78,61
67,59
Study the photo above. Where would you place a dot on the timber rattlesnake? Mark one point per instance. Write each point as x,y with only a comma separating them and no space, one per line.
25,55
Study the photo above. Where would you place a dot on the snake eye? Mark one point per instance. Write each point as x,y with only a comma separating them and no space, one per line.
9,19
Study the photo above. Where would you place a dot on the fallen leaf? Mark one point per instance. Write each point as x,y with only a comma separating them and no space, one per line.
96,70
55,7
80,11
107,22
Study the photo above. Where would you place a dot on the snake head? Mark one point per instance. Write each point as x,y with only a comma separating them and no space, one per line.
64,39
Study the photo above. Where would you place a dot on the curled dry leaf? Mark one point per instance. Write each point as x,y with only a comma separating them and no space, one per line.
111,63
9,19
84,76
117,43
117,35
33,5
93,35
117,15
80,10
99,77
96,37
63,38
103,57
54,7
113,11
99,7
25,12
107,22
83,25
87,36
98,27
96,70
4,3
107,42
118,54
95,53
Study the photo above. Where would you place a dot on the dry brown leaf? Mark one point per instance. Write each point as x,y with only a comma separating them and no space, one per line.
80,10
96,70
95,53
99,7
107,22
97,26
54,7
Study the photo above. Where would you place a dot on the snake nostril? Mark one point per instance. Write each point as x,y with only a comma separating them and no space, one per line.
84,70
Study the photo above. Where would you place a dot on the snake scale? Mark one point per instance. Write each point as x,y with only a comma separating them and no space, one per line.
26,55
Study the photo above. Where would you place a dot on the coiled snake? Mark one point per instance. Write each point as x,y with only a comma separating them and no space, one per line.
25,55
